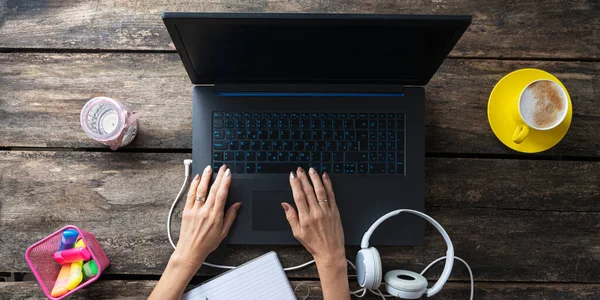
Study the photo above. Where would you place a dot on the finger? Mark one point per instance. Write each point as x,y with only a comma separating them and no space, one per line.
189,203
330,194
230,218
222,194
309,192
292,217
298,193
320,191
210,200
203,186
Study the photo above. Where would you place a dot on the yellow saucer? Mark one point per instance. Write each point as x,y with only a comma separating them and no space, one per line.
503,103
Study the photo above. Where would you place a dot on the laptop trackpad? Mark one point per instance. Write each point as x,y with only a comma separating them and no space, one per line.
267,213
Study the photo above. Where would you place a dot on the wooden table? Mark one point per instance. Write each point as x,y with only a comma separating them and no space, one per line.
528,224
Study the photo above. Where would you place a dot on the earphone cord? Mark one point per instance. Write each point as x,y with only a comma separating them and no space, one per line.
462,261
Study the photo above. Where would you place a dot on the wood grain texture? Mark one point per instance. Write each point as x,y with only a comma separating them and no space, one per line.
550,29
42,95
128,290
123,198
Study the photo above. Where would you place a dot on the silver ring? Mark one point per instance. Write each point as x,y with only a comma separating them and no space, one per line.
324,200
198,198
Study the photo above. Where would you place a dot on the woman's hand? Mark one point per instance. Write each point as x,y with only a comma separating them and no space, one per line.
203,223
317,224
203,227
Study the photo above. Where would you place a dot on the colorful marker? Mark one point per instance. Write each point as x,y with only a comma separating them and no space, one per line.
69,237
75,275
71,255
90,269
79,243
60,287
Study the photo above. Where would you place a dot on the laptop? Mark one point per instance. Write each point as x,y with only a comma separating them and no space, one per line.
337,92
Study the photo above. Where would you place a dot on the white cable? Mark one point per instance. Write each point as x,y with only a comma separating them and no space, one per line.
377,292
188,163
466,265
307,290
308,263
181,191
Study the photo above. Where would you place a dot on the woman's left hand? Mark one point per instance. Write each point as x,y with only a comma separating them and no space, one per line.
204,224
203,228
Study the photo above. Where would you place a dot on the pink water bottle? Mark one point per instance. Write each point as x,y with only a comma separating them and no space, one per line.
109,121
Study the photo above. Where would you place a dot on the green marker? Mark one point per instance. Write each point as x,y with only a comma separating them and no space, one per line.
90,269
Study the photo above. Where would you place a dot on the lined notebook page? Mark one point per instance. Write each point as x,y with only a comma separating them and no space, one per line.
262,278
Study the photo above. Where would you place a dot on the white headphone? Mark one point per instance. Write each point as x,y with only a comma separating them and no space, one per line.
400,283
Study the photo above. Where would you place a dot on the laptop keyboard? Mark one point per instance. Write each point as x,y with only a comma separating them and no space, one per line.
279,142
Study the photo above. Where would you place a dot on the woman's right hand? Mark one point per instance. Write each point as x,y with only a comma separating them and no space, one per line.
317,224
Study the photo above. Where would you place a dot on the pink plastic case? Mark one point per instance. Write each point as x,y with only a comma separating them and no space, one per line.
45,268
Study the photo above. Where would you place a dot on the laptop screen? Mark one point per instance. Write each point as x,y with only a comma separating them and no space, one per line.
309,48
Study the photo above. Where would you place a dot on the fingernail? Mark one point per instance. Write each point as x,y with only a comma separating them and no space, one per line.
228,173
311,171
197,177
300,170
207,169
292,175
285,207
325,176
224,166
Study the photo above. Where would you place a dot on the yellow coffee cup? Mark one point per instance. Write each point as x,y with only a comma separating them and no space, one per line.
541,105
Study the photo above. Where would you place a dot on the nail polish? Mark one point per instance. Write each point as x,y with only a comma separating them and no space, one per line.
292,175
300,170
197,177
311,171
228,173
207,169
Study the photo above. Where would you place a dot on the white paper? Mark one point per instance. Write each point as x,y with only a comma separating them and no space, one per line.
262,278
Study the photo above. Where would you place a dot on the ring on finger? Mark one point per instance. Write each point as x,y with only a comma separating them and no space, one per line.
200,198
324,200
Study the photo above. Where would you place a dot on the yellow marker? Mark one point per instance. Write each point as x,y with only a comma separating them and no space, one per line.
60,287
75,275
79,243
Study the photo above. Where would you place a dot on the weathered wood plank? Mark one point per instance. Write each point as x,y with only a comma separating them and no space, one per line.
121,290
42,95
123,198
515,29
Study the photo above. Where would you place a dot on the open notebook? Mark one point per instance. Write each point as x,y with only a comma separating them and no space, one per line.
262,278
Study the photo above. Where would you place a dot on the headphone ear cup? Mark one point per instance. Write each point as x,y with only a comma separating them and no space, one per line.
368,268
405,284
378,269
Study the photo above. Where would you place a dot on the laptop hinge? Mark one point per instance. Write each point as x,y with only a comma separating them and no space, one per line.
309,88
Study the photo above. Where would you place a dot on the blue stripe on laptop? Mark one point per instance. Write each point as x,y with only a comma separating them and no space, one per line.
292,94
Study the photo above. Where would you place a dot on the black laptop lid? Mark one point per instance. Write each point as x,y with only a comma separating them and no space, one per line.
313,48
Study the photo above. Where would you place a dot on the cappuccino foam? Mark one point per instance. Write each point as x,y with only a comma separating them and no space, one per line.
542,104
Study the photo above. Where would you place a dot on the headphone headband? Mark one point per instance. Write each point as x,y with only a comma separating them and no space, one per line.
364,244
